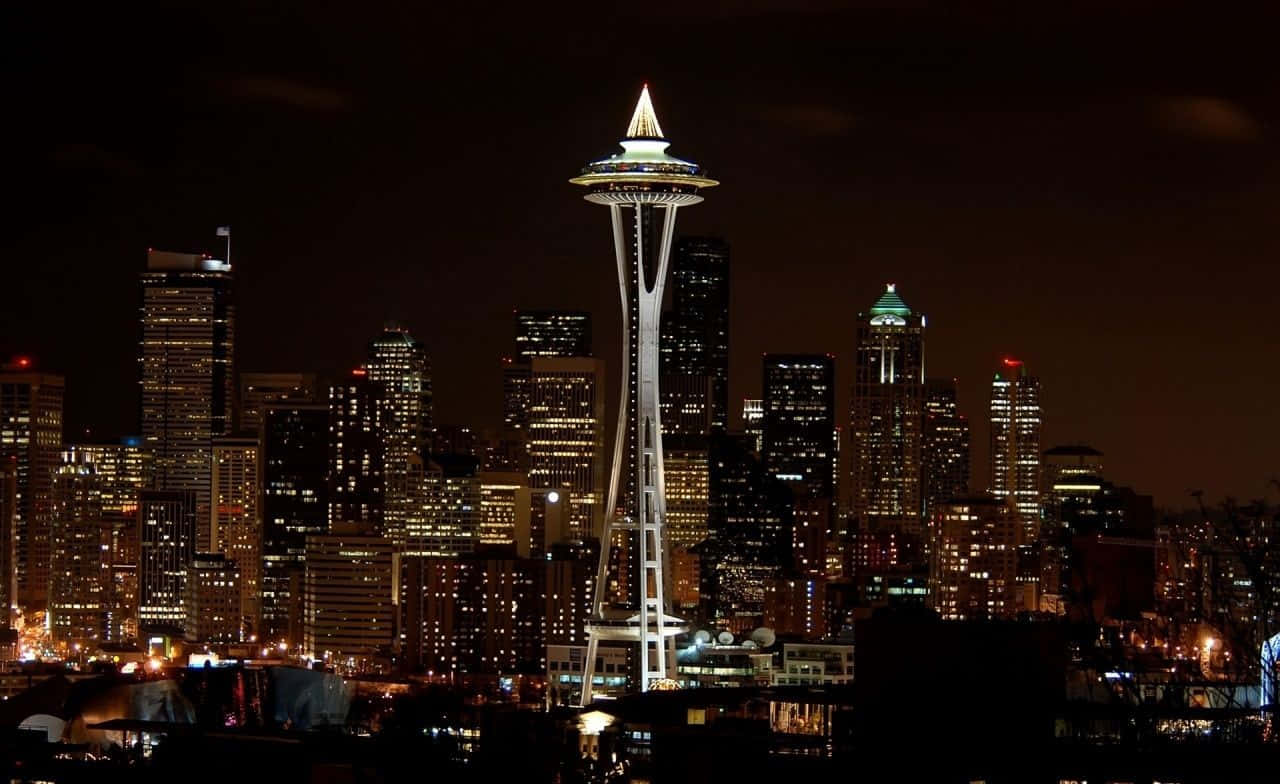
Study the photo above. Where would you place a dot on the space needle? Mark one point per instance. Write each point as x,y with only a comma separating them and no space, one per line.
643,187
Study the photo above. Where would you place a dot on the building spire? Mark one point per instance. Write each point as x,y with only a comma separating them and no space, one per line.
644,123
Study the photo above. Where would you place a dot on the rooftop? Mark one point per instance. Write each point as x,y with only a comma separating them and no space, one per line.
890,303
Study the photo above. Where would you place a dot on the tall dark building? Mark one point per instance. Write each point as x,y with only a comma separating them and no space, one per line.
259,390
295,492
357,451
1015,444
77,590
168,546
887,416
552,333
31,434
749,537
186,363
946,444
696,334
8,520
800,422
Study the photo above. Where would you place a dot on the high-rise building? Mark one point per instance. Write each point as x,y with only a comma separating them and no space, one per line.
295,492
696,332
259,390
186,364
973,570
750,535
686,472
566,435
357,452
77,590
549,334
167,545
31,434
688,405
400,374
887,421
1015,444
799,420
946,444
235,525
214,596
121,472
349,596
8,552
445,516
505,507
643,187
753,422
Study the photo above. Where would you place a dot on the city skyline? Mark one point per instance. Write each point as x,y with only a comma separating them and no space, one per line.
994,209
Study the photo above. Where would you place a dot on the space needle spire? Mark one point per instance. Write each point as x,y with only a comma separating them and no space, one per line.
643,187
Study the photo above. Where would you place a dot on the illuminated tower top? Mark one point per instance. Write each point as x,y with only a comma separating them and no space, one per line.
643,167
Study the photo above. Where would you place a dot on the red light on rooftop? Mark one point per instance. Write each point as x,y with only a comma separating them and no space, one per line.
1011,362
24,362
359,372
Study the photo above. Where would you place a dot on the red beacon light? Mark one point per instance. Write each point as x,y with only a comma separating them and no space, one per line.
22,363
359,371
1011,362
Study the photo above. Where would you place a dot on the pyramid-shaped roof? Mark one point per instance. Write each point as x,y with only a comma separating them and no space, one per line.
890,303
644,122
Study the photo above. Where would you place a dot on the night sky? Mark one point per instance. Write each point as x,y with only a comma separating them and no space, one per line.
1090,190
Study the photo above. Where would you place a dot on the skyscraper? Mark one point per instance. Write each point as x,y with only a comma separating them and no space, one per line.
696,335
799,422
887,421
259,390
120,471
295,493
643,187
753,423
357,452
168,545
235,526
8,520
31,434
77,590
566,436
214,598
1015,444
687,477
504,510
445,516
186,364
974,560
400,374
946,444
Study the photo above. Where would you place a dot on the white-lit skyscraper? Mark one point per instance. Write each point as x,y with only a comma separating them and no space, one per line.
400,375
643,187
1015,444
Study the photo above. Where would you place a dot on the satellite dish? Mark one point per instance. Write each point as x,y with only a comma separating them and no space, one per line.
764,637
51,726
724,638
702,636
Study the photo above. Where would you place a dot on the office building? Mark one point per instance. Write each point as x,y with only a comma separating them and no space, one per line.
445,515
1015,444
505,508
400,374
696,331
795,605
946,444
566,436
259,390
186,368
551,334
349,597
688,405
121,470
687,475
235,525
167,544
214,597
8,550
753,423
799,422
973,569
887,420
31,434
295,492
357,452
77,590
